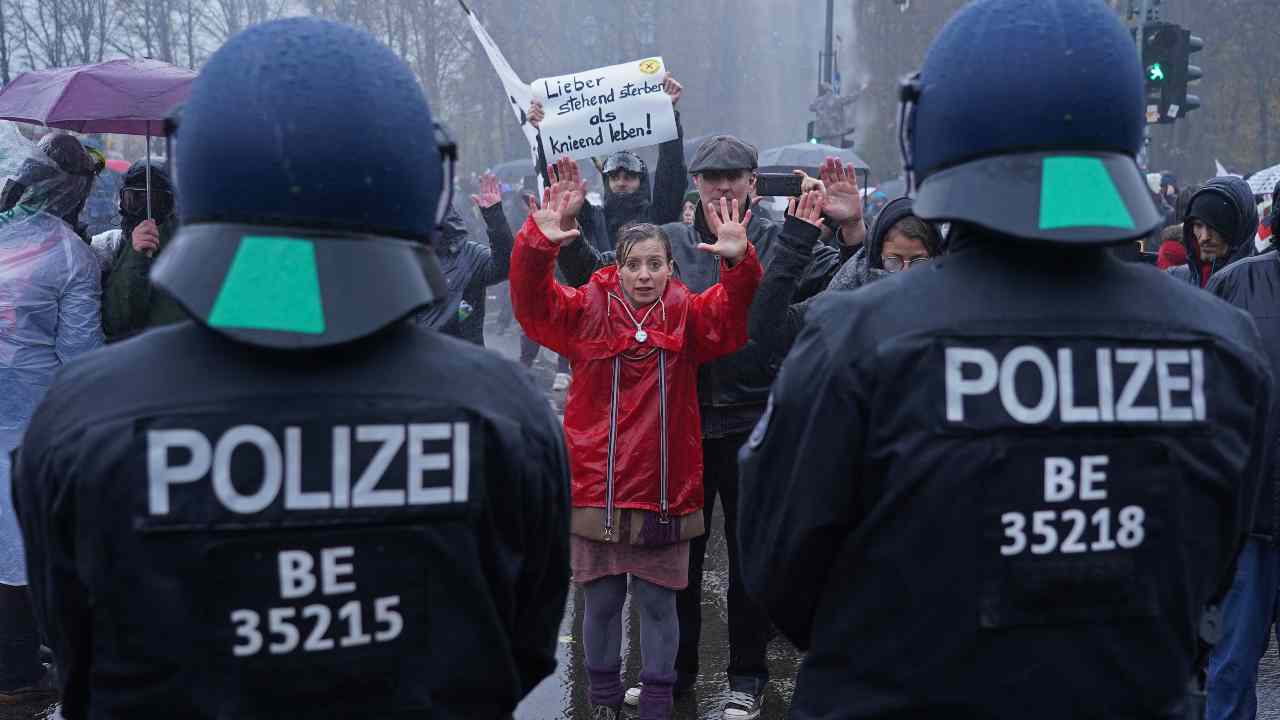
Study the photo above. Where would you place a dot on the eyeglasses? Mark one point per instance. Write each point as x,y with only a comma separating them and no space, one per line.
133,201
893,263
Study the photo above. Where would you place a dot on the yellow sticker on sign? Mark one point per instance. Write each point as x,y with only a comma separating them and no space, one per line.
650,66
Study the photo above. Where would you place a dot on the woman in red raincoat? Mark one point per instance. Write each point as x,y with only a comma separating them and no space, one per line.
635,337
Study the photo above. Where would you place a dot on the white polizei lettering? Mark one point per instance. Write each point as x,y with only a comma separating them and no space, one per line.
341,477
421,463
1197,385
1091,475
1043,408
1167,384
271,478
1058,485
1106,389
1067,392
294,496
958,387
160,474
1142,361
364,494
297,576
461,462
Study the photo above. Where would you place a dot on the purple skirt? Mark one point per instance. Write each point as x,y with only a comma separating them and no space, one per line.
663,565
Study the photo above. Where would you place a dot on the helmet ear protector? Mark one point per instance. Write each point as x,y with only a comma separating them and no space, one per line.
909,91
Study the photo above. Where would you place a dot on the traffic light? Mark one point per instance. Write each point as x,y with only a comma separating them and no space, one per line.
1160,45
1167,71
809,133
1188,73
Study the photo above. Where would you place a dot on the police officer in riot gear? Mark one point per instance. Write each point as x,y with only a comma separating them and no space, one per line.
1016,498
300,504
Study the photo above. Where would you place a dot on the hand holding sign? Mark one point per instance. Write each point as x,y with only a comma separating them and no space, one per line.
731,235
672,88
536,114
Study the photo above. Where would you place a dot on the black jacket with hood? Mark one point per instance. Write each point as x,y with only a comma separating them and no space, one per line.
1253,284
469,268
1237,192
775,320
732,390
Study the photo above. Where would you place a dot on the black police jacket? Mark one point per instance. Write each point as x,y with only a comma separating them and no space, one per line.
1008,498
372,530
732,390
1253,284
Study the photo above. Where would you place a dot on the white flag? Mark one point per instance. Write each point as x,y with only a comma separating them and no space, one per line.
519,95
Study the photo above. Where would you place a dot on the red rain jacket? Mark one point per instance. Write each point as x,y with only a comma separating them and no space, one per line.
590,326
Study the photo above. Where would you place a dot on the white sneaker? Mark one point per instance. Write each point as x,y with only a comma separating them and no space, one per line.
632,697
743,705
561,383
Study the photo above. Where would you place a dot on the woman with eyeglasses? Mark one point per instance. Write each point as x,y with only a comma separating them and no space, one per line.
129,305
898,242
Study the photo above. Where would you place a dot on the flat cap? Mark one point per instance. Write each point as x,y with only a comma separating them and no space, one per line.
724,152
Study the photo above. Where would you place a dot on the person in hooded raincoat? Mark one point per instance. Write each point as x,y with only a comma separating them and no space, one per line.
130,304
1218,228
636,336
776,321
470,267
49,314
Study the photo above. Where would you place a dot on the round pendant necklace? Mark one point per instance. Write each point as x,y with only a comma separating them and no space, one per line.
640,335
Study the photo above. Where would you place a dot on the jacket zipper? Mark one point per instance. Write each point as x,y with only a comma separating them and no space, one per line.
613,442
664,517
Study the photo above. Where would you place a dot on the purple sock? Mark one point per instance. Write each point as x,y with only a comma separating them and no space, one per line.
656,696
605,685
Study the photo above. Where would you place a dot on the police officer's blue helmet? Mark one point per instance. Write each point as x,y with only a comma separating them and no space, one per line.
310,180
1026,119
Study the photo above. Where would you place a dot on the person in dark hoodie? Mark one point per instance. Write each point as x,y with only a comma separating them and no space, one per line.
129,303
1218,228
470,267
899,241
628,197
1249,612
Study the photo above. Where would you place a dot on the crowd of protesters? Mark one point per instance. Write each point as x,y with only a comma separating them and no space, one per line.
671,309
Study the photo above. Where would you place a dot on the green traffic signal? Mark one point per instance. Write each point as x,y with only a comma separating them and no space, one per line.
1155,73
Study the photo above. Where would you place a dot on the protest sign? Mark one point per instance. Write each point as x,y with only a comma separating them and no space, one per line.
597,112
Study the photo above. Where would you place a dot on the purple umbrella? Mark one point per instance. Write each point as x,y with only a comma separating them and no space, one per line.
131,97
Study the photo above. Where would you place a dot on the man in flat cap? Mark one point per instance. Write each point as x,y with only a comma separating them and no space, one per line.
733,390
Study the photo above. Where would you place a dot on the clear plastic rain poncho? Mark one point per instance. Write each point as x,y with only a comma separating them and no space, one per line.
50,295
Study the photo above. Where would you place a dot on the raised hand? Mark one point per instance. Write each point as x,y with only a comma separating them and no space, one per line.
808,207
547,216
535,114
490,192
731,234
672,88
843,202
565,172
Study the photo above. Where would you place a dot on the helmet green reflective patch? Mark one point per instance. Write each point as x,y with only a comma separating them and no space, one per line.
272,285
1079,192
